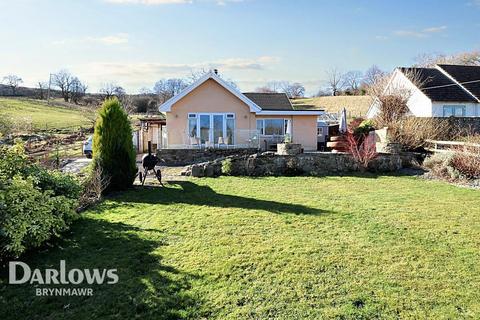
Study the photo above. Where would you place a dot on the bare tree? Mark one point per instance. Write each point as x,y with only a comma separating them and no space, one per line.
110,90
63,80
145,91
293,90
264,89
391,97
167,88
275,86
352,80
197,74
335,80
323,92
77,90
467,58
42,89
12,81
373,75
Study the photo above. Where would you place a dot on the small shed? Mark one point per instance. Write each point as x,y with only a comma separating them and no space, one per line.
150,128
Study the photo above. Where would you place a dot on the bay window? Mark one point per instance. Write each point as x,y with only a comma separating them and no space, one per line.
272,127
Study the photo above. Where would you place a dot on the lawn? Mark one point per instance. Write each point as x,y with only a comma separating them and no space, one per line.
286,248
357,106
41,115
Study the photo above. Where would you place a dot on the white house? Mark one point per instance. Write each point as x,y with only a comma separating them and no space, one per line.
446,90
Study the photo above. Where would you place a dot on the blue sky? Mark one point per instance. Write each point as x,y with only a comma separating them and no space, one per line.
136,42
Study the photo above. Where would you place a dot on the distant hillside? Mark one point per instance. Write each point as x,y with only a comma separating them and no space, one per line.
356,106
43,116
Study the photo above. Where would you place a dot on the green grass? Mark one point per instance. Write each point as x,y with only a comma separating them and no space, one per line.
285,248
41,115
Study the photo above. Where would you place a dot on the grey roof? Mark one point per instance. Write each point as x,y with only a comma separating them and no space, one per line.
270,101
467,76
437,86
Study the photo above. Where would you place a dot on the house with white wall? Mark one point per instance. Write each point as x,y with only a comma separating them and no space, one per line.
442,91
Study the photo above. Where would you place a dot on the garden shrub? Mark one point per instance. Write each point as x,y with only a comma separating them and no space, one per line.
440,165
113,149
467,158
412,132
463,162
362,147
467,164
35,204
227,167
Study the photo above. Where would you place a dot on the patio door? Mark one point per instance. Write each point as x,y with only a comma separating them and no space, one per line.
212,129
218,128
205,125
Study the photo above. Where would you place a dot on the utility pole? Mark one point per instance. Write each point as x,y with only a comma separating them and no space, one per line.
49,85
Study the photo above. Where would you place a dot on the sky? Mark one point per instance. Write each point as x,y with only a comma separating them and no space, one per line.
134,43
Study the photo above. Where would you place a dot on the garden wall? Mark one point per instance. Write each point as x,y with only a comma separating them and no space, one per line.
183,157
313,164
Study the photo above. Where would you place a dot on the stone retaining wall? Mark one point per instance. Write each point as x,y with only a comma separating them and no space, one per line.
312,164
183,157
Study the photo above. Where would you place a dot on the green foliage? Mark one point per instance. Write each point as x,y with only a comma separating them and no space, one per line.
6,125
365,127
35,204
227,167
113,149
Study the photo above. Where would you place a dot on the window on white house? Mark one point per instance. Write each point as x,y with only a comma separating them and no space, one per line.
454,110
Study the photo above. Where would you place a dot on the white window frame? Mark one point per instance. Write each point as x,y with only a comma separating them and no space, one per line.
226,116
262,133
452,108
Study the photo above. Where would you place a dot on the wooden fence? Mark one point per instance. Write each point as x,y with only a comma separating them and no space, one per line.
450,146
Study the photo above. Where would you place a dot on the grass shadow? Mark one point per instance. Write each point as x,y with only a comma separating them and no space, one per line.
147,288
195,194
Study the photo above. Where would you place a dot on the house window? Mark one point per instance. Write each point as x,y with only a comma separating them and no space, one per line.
454,110
260,127
271,127
212,128
319,131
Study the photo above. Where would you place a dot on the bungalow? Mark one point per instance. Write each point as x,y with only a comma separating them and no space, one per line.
445,91
212,113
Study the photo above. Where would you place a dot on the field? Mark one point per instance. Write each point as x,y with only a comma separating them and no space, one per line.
365,247
42,116
356,106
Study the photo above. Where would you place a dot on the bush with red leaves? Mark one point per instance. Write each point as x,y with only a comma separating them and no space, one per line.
467,161
362,147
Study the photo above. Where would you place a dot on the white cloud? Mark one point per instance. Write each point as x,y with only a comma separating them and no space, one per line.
116,39
135,75
162,2
424,33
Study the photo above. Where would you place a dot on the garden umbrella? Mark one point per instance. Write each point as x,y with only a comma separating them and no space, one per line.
288,131
343,121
